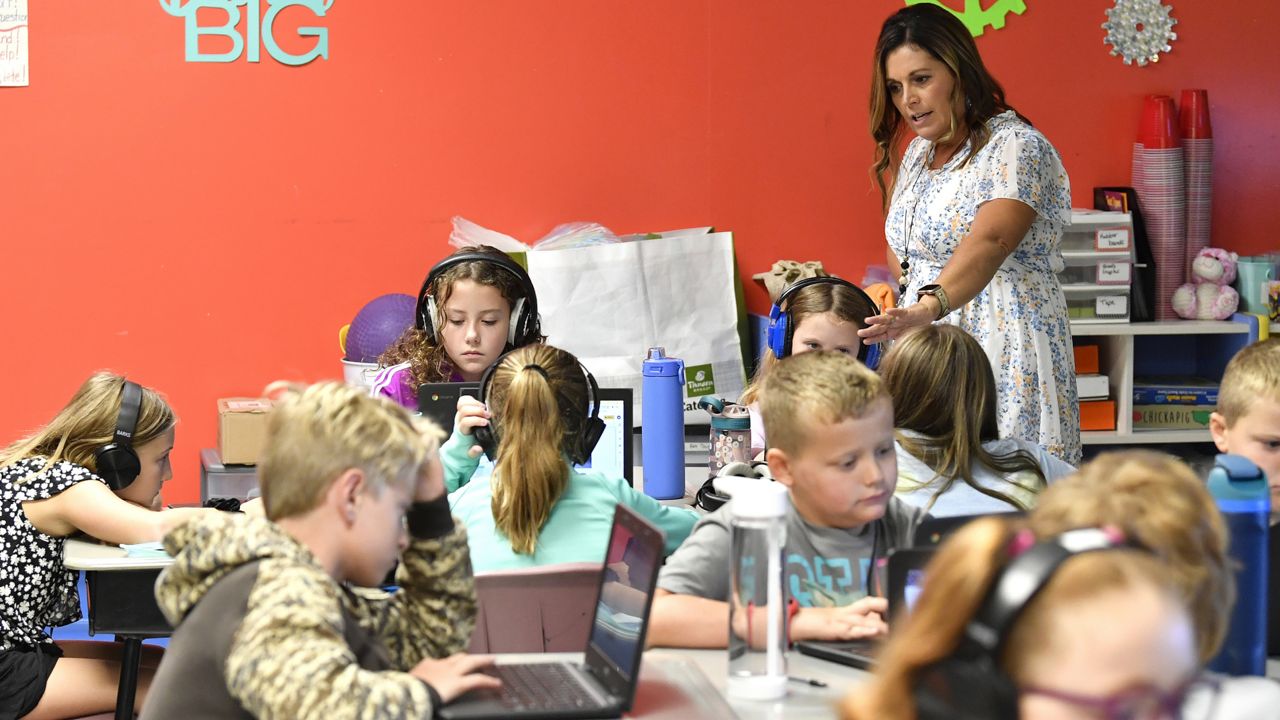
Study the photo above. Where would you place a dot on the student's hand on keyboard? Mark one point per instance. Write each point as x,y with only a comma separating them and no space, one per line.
456,674
861,619
471,414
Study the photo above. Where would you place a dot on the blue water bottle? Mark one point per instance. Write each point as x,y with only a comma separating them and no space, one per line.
662,425
1240,490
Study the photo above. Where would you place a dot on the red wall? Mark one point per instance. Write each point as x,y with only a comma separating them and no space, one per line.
207,227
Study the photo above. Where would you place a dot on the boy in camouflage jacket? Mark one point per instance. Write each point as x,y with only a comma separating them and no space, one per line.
267,623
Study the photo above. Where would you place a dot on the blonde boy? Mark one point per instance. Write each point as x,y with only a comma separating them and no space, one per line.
1247,421
830,423
267,625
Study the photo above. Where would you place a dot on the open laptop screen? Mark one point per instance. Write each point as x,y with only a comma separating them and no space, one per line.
626,590
612,456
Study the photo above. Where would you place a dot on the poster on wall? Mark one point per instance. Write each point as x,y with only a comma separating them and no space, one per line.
13,43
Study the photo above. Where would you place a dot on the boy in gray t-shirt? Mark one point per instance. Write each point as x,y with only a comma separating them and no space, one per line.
830,423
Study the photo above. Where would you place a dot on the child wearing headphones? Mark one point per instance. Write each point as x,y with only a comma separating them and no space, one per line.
473,306
1012,623
536,508
267,622
96,468
1160,503
830,426
951,458
818,313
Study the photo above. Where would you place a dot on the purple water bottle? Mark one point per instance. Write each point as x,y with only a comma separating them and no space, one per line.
662,425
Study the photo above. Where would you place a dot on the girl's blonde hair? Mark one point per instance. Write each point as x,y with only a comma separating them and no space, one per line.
939,33
428,359
88,422
943,388
315,433
538,398
958,580
1160,503
845,304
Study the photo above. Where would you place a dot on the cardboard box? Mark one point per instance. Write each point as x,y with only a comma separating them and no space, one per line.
1086,359
1098,415
242,429
1093,387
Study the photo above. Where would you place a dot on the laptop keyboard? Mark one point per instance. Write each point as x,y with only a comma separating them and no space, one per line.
540,686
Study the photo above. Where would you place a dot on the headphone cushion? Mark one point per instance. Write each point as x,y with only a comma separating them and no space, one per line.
483,437
964,688
592,431
118,465
776,335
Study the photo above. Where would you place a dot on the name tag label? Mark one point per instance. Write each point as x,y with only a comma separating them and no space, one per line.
1112,239
1113,273
1112,305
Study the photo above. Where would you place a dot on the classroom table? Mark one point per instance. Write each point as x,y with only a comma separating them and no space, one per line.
121,602
681,683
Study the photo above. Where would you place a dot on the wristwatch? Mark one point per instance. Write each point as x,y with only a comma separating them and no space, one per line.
944,305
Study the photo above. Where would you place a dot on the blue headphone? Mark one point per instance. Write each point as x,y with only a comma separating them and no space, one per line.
781,328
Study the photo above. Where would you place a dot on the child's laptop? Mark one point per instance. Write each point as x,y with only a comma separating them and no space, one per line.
605,684
933,530
905,579
613,456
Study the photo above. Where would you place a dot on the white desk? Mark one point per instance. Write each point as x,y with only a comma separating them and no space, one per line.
678,684
694,477
121,602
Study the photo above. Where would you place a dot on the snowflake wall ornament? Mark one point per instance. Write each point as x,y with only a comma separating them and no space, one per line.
1139,30
975,18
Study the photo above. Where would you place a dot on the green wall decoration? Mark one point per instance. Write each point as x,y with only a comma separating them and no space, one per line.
978,19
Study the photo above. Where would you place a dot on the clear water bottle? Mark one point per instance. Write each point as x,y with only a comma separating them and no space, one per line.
662,425
1240,489
757,591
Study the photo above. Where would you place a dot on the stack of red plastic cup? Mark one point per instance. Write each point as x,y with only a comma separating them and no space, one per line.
1158,178
1197,152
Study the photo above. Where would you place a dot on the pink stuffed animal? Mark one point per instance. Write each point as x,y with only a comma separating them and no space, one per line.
1208,296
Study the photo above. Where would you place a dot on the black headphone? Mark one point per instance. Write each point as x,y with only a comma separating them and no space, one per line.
592,428
969,684
781,327
116,461
526,326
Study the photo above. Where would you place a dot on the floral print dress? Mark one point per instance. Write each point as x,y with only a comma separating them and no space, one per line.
1020,318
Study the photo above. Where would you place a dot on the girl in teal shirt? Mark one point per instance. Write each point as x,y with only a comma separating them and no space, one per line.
536,508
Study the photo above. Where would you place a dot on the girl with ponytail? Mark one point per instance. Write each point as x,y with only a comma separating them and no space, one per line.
536,508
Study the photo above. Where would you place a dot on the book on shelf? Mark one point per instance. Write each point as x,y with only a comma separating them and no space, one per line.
1174,391
1171,417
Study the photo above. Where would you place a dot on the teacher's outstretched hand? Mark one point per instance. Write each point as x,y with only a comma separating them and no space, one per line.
895,321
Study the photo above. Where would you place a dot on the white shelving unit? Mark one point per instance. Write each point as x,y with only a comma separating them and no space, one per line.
1116,357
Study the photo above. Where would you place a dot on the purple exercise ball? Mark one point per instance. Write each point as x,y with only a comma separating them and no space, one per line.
378,324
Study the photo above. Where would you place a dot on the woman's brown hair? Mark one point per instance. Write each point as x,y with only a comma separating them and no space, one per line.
942,35
538,396
1160,503
958,579
428,360
833,298
944,391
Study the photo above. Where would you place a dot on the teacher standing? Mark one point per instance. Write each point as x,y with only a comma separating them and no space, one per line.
975,212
